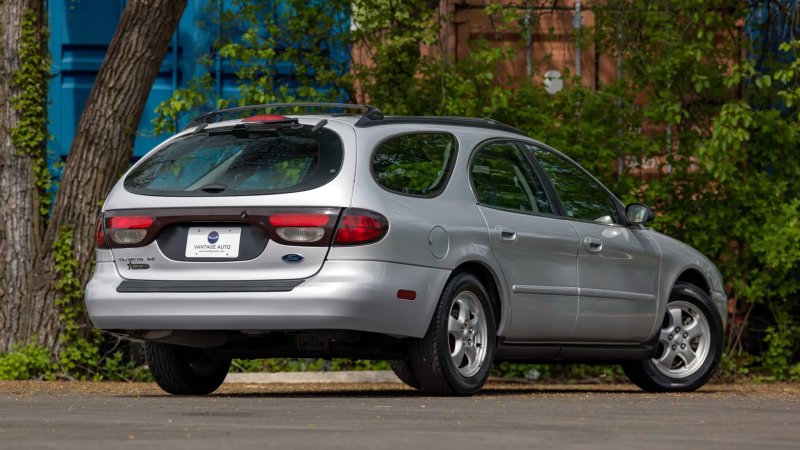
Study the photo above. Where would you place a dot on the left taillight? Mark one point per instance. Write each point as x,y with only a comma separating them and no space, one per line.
99,236
124,230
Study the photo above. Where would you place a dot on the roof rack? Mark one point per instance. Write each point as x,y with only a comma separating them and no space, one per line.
366,122
370,117
370,112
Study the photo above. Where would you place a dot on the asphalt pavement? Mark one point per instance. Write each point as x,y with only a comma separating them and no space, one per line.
73,415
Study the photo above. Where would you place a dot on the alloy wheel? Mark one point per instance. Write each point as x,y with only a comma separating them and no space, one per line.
684,340
467,334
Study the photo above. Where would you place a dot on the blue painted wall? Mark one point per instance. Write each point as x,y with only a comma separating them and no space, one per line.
80,33
768,25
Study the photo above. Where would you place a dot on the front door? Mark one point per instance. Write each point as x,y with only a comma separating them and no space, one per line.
618,266
536,250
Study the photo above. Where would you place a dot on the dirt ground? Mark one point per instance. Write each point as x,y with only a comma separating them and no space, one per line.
782,391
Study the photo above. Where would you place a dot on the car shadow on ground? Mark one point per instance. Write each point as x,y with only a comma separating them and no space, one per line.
328,391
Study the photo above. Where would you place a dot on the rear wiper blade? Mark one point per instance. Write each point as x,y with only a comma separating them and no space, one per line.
214,188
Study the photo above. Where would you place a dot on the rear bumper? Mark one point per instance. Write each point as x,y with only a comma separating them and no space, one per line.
343,295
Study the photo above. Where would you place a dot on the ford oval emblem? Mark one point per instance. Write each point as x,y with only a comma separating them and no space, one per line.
213,237
293,258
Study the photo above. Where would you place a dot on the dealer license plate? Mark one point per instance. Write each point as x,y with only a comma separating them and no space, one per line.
213,242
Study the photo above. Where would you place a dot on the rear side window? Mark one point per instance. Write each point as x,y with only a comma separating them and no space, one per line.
240,162
416,164
502,178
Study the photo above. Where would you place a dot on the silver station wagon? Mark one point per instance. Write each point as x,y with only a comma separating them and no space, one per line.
441,244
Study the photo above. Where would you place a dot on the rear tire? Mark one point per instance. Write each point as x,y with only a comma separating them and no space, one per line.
182,370
456,354
689,348
403,371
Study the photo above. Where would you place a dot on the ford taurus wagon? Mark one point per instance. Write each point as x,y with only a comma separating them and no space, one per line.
441,244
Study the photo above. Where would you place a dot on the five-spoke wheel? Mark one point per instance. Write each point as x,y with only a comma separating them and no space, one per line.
684,340
466,328
689,344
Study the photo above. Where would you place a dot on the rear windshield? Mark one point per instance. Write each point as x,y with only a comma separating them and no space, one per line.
240,162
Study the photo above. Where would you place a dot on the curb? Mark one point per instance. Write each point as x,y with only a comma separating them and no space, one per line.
356,376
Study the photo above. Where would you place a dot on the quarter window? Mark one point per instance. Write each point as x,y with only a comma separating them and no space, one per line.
582,196
414,164
503,178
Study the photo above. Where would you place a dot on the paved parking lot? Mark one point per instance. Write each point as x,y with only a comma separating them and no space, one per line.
243,416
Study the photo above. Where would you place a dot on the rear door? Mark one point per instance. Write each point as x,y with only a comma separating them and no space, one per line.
232,203
536,250
618,266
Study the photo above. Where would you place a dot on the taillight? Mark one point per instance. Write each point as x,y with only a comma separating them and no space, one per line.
360,226
300,228
127,230
99,237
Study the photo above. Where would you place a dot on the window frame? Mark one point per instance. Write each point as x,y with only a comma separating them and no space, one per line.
554,205
618,205
448,176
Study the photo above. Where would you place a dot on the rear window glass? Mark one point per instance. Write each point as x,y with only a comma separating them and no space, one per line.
414,164
240,162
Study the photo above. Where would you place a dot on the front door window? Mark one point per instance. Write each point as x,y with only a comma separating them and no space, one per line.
582,196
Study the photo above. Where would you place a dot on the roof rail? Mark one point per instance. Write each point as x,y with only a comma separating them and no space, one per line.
370,112
365,122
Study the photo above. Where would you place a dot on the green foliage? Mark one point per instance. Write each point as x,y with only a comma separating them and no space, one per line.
79,352
571,373
115,368
31,78
306,365
783,341
254,38
389,35
24,362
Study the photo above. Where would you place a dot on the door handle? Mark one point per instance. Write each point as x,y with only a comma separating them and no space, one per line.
505,234
593,244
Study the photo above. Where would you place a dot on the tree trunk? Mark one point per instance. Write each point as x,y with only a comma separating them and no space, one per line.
102,148
20,221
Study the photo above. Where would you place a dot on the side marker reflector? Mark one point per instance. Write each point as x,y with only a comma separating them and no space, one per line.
404,294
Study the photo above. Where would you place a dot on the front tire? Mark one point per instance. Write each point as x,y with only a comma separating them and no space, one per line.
456,354
182,370
689,346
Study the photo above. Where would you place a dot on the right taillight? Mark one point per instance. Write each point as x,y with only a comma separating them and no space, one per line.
127,230
360,226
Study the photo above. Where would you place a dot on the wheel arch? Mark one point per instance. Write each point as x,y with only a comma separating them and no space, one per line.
693,276
492,284
675,271
688,273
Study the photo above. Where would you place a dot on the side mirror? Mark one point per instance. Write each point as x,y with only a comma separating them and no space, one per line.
638,214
